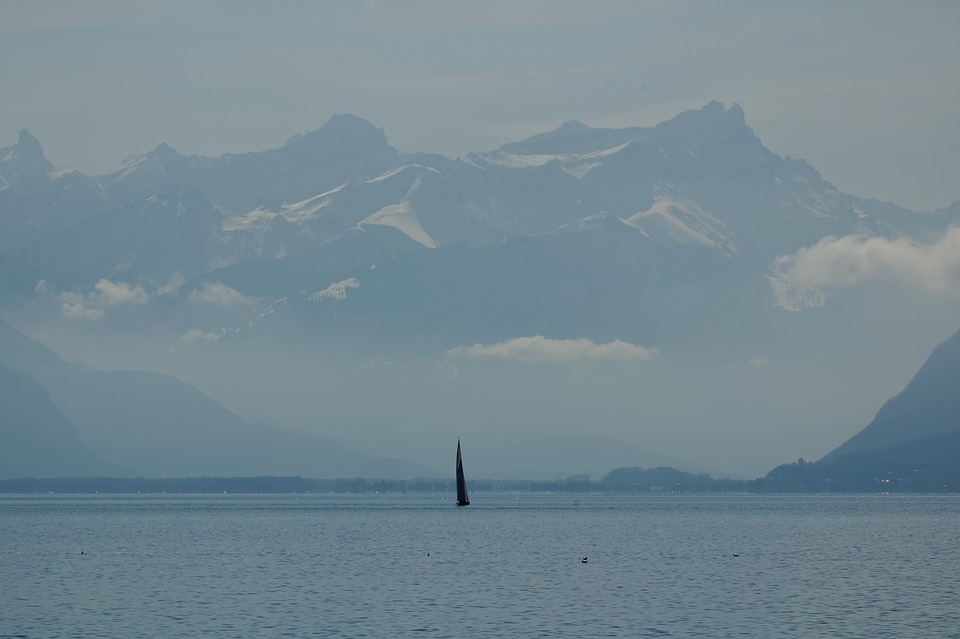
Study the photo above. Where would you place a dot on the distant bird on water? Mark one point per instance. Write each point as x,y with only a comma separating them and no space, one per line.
736,554
583,561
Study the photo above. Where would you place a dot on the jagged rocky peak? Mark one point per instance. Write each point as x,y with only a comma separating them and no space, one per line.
164,150
713,119
28,146
27,151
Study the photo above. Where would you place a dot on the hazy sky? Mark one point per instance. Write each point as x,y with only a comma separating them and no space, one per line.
866,91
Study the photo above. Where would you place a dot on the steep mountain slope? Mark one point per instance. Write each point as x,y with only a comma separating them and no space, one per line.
924,464
928,405
36,440
163,427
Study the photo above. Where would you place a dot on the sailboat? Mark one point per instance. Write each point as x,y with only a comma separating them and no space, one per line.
462,498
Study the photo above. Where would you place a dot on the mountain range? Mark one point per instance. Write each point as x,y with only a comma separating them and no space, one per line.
387,301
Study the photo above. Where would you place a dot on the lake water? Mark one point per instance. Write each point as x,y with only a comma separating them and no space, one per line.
507,566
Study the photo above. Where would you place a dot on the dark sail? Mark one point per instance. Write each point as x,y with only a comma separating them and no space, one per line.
462,498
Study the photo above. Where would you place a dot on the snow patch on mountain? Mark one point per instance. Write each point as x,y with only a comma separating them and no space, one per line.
127,168
336,291
593,222
256,218
480,213
296,212
402,217
64,172
400,169
218,294
794,297
576,164
309,207
675,218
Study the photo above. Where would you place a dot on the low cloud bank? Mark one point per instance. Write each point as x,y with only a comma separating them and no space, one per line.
92,305
853,259
542,349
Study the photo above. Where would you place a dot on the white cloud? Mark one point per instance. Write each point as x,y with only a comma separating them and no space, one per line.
92,305
219,294
849,260
197,336
542,349
77,310
107,293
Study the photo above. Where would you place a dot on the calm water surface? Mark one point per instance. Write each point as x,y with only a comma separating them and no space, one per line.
507,566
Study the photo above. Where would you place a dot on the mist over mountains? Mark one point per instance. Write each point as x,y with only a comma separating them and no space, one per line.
580,300
154,425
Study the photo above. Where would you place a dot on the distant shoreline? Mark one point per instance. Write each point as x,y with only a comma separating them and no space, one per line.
685,483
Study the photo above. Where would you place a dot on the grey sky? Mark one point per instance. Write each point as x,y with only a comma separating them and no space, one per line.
867,92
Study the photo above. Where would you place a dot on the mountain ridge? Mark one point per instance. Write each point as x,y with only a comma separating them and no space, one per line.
161,426
36,440
927,406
